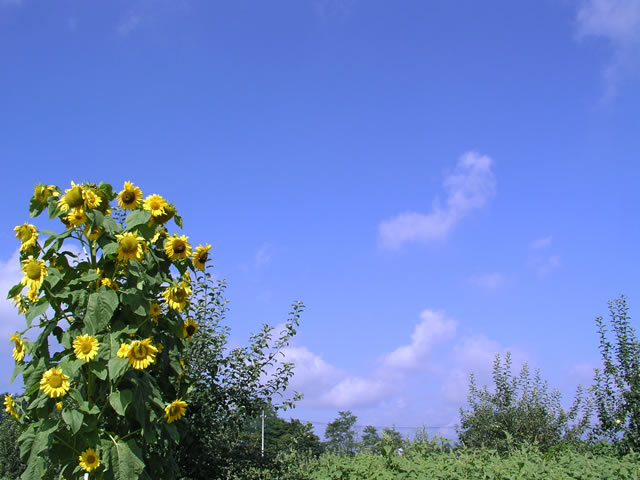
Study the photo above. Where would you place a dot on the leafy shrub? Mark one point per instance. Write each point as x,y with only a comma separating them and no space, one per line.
617,388
520,410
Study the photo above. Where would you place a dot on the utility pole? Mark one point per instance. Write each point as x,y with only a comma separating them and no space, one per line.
262,446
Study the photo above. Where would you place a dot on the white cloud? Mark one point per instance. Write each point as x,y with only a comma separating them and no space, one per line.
545,265
541,242
617,21
468,188
489,281
433,328
10,320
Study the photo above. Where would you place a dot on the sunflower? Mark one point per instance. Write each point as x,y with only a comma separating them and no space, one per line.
177,296
27,234
76,217
10,406
20,303
89,460
177,247
42,193
130,246
200,256
54,383
184,369
92,234
91,198
59,406
155,311
160,233
169,213
189,329
129,198
155,204
123,351
85,347
175,410
107,282
141,353
32,294
19,350
34,272
72,198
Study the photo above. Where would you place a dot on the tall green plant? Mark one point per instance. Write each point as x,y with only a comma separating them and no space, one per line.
617,387
521,409
231,388
109,300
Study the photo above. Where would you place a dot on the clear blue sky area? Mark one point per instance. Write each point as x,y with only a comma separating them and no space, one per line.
437,181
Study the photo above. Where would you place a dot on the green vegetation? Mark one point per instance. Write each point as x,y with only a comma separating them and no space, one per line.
142,383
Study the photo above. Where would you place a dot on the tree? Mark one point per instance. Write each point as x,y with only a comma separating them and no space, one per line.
369,440
520,410
617,388
340,435
11,467
391,438
231,389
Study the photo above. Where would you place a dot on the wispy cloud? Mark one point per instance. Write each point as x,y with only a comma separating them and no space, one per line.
618,22
540,242
434,328
129,23
488,281
263,256
468,188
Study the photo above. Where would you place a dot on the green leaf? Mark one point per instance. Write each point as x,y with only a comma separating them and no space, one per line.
99,369
89,277
36,310
135,301
121,400
95,217
74,419
17,371
111,226
126,460
15,290
117,368
137,218
110,248
35,208
100,308
54,209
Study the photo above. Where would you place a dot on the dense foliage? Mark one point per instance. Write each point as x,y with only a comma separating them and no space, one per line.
617,388
519,410
109,300
231,388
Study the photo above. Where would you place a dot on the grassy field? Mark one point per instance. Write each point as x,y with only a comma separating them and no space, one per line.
526,463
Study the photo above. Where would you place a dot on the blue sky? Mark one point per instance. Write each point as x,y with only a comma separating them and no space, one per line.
437,181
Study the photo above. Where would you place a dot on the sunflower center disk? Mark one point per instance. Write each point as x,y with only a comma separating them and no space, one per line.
74,197
55,381
140,352
33,271
175,410
179,246
128,197
85,347
191,330
180,296
129,245
203,257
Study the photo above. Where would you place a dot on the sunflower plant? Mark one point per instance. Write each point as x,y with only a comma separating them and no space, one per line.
108,299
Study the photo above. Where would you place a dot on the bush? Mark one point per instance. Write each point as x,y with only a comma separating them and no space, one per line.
617,388
520,410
